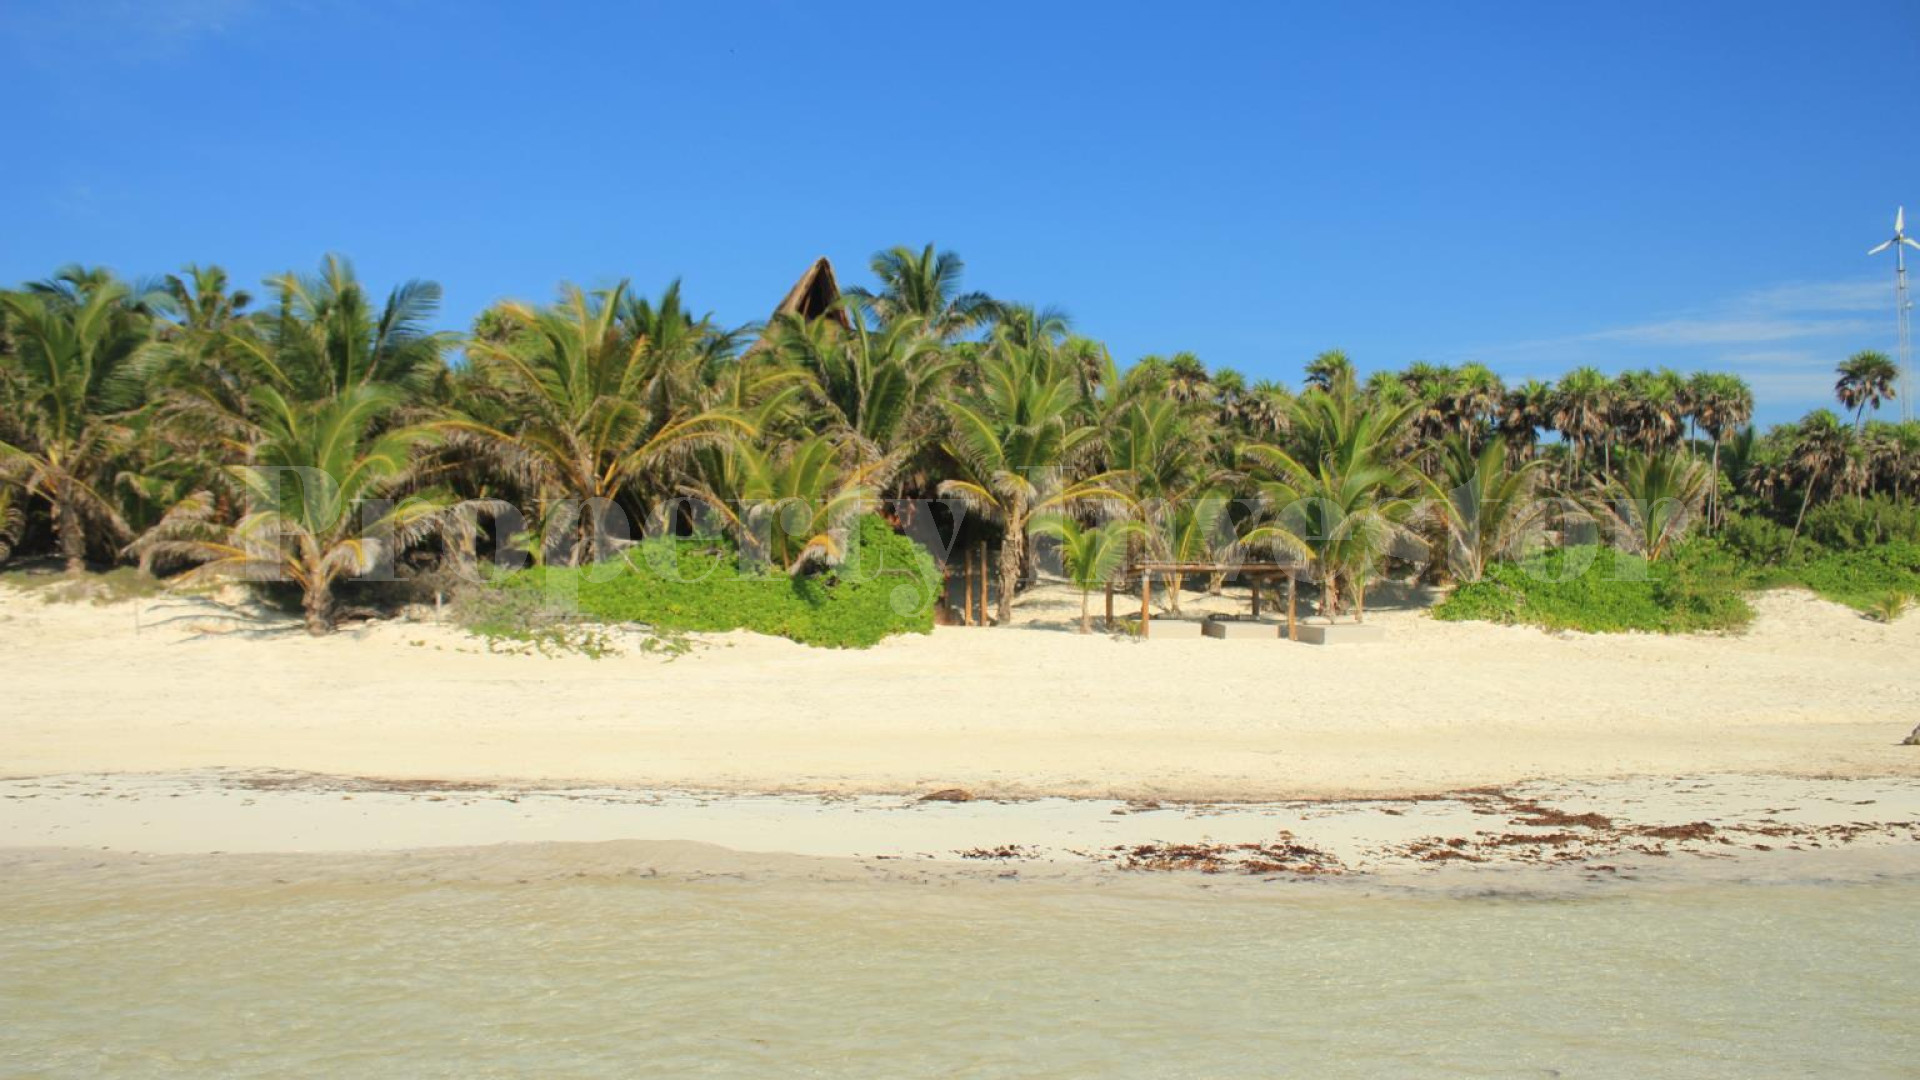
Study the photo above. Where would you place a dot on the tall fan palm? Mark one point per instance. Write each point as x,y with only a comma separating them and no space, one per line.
1484,504
925,286
1524,411
72,382
315,515
577,413
1016,437
1582,411
1651,498
1330,370
1867,379
1092,555
1721,404
1818,451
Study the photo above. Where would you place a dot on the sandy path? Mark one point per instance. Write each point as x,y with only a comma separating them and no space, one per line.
1812,690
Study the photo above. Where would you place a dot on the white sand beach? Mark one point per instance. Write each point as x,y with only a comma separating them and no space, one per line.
1812,690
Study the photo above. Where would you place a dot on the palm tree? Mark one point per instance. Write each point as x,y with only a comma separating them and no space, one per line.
1330,370
325,335
1187,378
1484,504
925,286
793,504
1721,403
1016,437
320,470
1340,497
1524,411
73,382
1651,498
12,521
577,410
1818,451
1092,554
1867,379
1268,408
880,387
1582,410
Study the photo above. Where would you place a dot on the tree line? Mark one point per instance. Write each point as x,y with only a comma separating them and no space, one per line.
145,422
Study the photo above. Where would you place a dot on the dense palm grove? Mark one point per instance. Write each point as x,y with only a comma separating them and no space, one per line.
131,415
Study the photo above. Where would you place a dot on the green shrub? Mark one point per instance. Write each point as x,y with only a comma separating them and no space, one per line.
887,585
1600,589
1859,578
1847,524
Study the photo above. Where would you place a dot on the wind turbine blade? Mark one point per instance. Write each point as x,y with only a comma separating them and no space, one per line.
1909,241
1884,245
1900,219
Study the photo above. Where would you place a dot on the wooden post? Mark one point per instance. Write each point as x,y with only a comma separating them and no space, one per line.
1253,582
1146,600
983,584
1293,622
1109,604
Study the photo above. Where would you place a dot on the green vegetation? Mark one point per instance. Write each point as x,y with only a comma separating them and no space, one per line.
886,585
132,417
1600,590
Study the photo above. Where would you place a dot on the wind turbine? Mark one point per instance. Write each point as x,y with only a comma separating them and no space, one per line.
1901,305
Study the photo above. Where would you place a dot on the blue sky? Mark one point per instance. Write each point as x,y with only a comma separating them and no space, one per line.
1536,186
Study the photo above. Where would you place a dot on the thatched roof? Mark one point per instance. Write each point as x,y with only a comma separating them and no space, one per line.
814,295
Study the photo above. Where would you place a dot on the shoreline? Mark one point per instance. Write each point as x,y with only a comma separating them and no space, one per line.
1529,837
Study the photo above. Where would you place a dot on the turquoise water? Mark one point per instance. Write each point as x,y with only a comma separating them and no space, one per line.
120,976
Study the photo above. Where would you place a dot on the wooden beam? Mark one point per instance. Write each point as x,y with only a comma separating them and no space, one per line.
1109,604
1253,583
1146,602
1293,622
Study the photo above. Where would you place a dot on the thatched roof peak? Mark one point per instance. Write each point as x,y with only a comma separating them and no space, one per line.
815,295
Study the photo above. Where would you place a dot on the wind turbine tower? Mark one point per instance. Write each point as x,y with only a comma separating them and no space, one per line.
1902,307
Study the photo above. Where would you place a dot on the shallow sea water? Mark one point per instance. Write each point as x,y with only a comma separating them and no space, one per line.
180,975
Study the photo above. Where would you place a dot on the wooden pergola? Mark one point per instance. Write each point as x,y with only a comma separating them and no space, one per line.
1255,573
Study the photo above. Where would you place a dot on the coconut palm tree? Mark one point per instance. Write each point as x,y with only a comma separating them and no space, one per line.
1651,499
878,386
12,521
1484,504
1340,496
325,335
793,504
1017,437
1092,555
1867,379
72,380
576,410
315,491
925,286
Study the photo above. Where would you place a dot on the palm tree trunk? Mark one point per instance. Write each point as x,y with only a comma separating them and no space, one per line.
1805,498
1011,558
73,539
1713,492
1086,615
318,605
